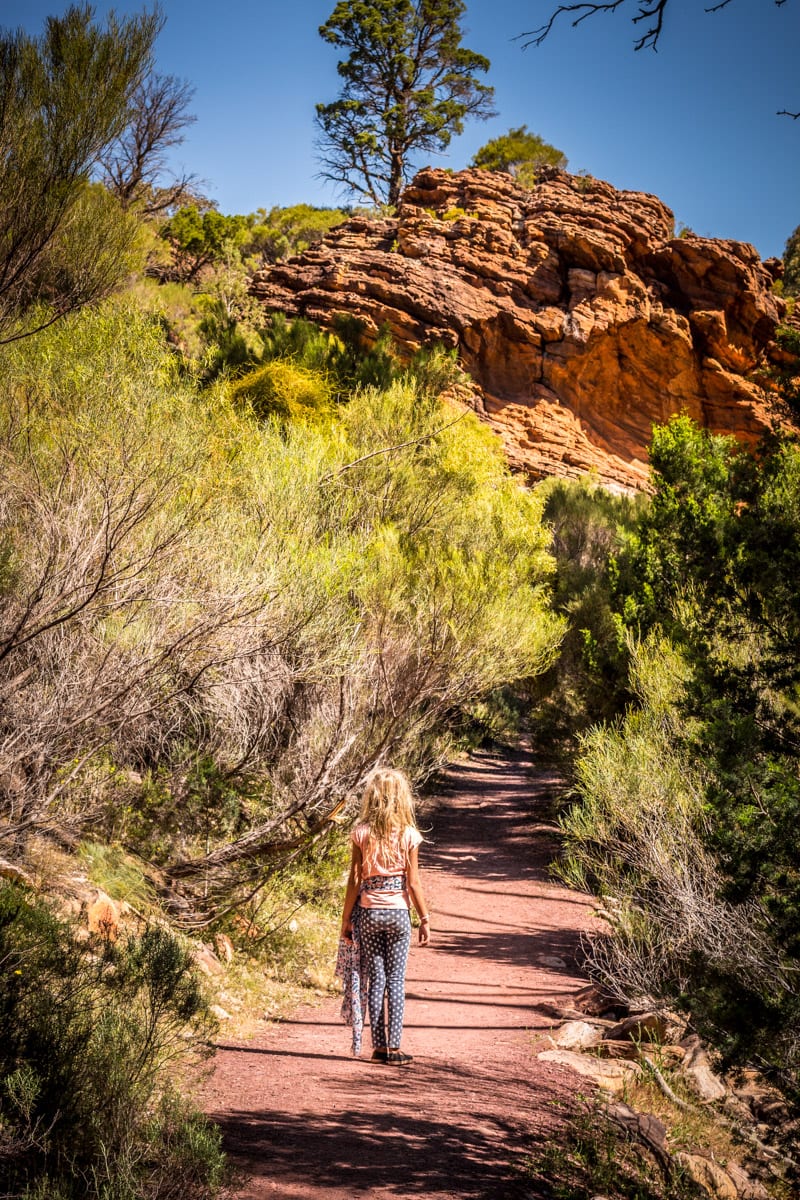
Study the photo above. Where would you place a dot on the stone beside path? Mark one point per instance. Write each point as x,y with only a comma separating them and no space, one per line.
303,1119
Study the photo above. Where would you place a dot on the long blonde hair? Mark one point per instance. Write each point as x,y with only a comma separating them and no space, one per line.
387,806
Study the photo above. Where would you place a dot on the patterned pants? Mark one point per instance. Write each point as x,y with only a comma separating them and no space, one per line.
385,940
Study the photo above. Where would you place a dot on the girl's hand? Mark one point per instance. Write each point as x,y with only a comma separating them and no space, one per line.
347,931
424,933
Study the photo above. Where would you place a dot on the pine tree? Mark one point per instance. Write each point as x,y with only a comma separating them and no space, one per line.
408,86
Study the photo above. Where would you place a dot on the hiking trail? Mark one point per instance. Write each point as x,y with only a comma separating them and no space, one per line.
302,1119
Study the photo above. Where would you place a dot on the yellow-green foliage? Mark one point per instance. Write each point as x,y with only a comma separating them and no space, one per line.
118,874
218,601
177,306
640,799
455,213
283,232
285,390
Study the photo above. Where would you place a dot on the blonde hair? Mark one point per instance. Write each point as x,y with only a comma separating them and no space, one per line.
387,806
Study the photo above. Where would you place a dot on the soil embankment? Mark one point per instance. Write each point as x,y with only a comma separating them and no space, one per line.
303,1119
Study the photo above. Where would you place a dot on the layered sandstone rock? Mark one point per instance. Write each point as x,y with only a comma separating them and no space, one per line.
580,317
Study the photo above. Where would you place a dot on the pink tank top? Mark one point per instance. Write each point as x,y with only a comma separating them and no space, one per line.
394,862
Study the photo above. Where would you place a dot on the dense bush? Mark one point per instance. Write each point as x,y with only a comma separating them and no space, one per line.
206,607
791,263
66,97
589,680
520,154
85,1107
283,232
342,354
686,800
199,237
641,838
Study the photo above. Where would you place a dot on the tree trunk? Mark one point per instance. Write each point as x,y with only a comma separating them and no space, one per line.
396,176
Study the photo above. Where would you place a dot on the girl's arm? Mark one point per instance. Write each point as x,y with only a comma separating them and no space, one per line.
351,892
417,898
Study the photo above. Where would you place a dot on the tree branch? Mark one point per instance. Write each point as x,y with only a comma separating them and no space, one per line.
426,437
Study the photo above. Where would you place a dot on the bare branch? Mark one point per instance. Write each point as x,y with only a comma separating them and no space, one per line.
257,844
653,13
133,165
535,37
426,437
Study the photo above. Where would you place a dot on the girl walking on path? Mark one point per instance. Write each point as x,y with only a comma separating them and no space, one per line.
383,883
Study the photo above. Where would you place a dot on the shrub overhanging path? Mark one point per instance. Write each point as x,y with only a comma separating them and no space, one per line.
303,1119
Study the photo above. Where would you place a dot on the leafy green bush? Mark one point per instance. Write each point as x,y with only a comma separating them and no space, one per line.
791,263
67,99
685,801
344,353
589,680
199,238
638,839
283,232
88,1031
519,153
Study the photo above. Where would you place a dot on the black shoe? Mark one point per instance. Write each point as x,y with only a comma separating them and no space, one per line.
396,1058
380,1054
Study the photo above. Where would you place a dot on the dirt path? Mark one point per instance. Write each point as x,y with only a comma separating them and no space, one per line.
304,1120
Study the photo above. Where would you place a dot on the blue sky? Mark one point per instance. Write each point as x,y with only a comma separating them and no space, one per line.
694,123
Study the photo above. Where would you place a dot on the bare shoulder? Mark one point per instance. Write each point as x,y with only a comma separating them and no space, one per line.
359,834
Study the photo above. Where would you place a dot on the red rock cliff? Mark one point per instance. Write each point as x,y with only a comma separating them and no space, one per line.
579,315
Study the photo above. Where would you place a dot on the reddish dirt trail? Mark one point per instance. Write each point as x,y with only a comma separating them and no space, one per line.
304,1120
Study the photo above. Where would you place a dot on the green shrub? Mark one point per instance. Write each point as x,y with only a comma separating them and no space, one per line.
346,354
685,799
456,213
589,680
519,153
86,1035
282,233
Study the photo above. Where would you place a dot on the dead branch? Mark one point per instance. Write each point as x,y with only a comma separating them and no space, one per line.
256,844
426,437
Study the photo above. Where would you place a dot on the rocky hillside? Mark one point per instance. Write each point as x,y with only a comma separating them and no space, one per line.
581,317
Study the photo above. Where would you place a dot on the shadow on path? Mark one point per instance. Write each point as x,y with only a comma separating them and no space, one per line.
305,1120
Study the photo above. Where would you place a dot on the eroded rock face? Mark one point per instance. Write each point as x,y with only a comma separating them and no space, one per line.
580,317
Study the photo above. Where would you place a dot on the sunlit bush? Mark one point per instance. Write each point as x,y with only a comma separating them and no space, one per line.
212,608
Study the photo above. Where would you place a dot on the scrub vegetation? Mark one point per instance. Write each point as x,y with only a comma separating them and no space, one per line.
686,786
243,560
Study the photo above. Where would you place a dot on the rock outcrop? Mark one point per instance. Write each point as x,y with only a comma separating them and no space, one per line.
579,315
649,1043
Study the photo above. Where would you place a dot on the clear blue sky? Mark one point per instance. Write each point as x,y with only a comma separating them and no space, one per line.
694,123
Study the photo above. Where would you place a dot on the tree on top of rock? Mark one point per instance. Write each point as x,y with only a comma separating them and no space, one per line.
408,85
519,153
